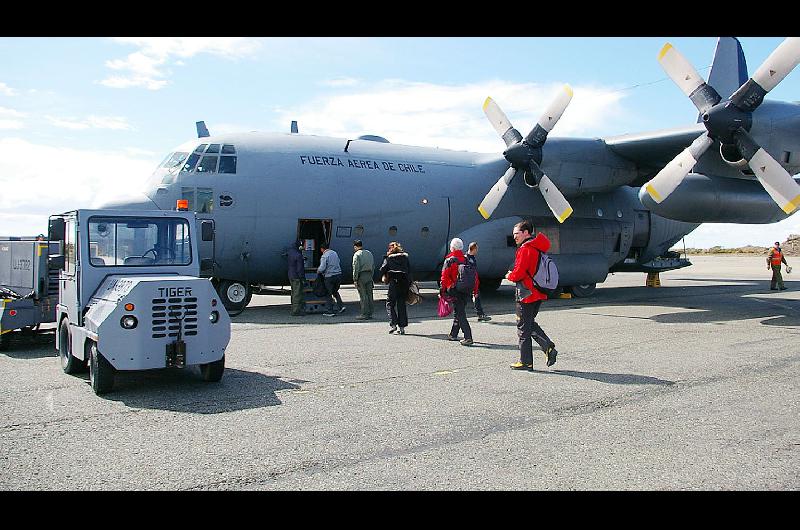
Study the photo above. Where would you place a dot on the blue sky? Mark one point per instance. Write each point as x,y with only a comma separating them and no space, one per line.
85,120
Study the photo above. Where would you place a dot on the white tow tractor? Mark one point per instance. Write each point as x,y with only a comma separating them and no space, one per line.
130,295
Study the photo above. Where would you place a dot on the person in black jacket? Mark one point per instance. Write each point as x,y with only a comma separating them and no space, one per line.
396,271
297,277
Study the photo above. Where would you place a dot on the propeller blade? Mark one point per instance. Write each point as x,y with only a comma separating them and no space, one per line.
500,122
495,195
665,182
778,64
776,180
550,117
771,72
554,199
688,79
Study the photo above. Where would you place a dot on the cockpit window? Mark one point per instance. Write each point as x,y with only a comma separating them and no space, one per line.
227,164
200,148
228,149
189,165
207,165
213,148
174,160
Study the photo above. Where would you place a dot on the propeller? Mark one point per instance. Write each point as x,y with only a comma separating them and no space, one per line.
525,155
728,122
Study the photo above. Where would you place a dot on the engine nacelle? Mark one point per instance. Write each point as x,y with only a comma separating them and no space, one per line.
730,155
703,199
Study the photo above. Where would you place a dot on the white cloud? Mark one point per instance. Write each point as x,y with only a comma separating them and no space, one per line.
340,82
8,118
7,90
91,122
449,116
38,180
149,66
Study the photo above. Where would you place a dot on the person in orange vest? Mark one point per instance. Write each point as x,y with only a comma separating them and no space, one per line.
774,260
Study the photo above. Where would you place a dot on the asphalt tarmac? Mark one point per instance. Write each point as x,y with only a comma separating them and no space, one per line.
689,386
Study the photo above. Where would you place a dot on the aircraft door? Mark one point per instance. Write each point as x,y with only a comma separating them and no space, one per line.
312,233
206,248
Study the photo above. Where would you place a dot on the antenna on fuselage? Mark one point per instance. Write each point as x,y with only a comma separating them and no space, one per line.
294,127
202,130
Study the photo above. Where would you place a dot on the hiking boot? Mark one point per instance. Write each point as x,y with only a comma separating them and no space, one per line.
362,317
402,331
551,355
522,366
466,342
392,329
484,318
450,337
783,288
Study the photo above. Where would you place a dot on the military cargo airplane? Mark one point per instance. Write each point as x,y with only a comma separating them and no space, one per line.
607,205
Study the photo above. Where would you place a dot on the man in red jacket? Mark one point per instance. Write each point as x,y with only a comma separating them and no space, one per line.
529,298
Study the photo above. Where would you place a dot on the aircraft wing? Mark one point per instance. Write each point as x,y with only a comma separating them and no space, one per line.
654,150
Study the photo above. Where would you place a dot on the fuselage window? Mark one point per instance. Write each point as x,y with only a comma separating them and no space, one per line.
227,164
213,148
207,165
188,195
189,165
228,149
205,200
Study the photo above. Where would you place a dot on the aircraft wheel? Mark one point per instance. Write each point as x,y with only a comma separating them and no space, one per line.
69,363
212,372
5,340
583,291
101,373
235,295
489,285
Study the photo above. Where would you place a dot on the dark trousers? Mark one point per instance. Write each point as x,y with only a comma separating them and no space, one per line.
460,316
528,330
478,307
332,284
396,303
776,277
298,304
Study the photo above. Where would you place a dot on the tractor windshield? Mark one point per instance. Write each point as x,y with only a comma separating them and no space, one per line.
134,241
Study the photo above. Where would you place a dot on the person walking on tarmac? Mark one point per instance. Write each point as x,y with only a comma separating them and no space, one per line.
458,292
297,277
363,267
774,260
476,296
396,271
331,268
528,297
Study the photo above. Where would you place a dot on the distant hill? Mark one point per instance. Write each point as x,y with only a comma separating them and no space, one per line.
791,247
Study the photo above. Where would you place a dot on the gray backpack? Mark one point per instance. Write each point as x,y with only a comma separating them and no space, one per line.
546,277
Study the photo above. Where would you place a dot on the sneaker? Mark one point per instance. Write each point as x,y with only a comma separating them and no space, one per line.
521,366
551,355
484,318
402,331
342,309
392,329
466,342
450,337
329,314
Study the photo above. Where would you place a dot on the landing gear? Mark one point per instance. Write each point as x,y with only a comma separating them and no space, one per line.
583,291
5,340
235,295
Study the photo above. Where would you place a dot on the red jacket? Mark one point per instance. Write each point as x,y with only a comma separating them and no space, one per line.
450,273
525,265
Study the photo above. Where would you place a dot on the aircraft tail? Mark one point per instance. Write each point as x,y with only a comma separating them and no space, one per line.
728,69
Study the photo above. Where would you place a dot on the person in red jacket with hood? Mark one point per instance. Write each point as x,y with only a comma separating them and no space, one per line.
529,298
448,283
